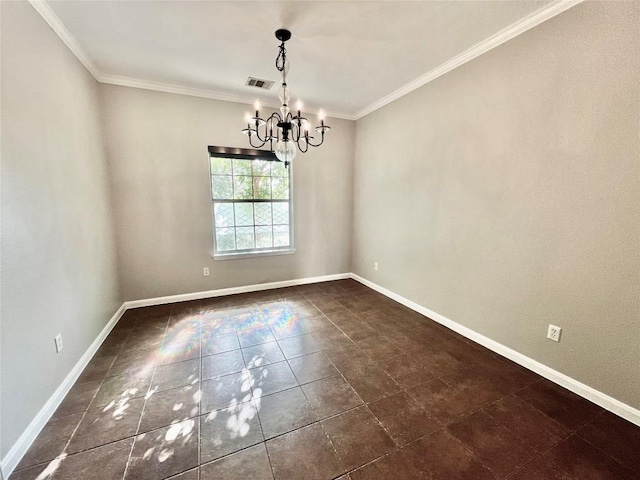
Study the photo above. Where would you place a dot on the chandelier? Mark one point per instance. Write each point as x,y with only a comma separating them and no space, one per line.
284,132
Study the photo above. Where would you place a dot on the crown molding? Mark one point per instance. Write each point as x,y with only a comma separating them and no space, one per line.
512,31
200,92
484,46
43,8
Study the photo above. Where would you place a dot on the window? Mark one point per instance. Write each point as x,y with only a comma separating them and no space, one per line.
251,196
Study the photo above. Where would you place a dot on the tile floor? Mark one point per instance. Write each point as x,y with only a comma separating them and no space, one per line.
323,381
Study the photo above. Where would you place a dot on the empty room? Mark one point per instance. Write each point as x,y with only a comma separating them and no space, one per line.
320,240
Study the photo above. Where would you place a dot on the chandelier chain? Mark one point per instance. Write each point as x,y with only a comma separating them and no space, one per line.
282,58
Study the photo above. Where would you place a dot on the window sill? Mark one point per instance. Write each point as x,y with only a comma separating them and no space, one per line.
265,253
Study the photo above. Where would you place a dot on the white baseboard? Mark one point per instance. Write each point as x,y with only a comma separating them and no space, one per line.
23,443
147,302
605,401
17,451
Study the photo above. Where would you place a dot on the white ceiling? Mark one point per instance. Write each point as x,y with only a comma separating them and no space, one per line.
348,57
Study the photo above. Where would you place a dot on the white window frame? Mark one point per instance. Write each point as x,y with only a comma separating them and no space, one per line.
248,154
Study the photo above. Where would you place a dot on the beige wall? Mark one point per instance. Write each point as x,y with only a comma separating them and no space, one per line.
58,260
157,148
505,195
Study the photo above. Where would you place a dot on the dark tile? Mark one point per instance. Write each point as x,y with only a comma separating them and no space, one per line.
255,336
304,453
331,396
282,330
112,344
357,437
467,352
260,355
252,463
436,360
309,368
170,406
403,418
500,450
560,404
193,474
540,469
176,375
447,402
271,379
182,331
379,348
122,387
221,364
103,463
615,436
395,465
284,411
217,326
142,344
135,361
248,318
219,344
406,370
359,331
105,424
96,369
441,456
349,358
179,352
226,431
280,313
315,323
585,462
331,337
327,305
78,398
225,391
508,376
164,452
371,383
51,441
297,346
528,423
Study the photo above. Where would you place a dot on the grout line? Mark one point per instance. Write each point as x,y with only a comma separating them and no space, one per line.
330,295
144,405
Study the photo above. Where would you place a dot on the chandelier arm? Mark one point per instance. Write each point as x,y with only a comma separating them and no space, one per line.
268,128
319,143
256,146
257,134
306,145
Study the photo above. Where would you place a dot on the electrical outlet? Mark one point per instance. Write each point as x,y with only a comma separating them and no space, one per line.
375,265
205,271
58,340
554,333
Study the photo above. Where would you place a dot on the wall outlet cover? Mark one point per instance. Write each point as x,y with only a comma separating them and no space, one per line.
553,333
58,341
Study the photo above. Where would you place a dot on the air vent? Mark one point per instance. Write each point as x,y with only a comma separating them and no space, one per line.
256,82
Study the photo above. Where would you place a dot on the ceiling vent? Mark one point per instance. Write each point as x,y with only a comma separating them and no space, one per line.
256,82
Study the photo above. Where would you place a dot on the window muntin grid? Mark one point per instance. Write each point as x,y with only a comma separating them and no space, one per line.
251,205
